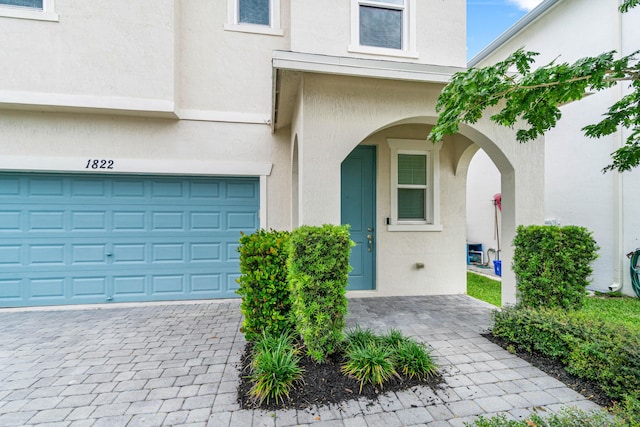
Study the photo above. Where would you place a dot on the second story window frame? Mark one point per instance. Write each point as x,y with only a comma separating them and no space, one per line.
35,12
407,8
234,20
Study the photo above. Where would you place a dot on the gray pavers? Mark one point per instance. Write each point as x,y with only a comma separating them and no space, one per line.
177,365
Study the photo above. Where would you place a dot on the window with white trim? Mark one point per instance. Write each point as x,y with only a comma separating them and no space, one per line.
415,193
254,16
384,27
28,9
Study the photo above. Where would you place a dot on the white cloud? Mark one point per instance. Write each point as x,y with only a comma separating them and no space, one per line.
525,4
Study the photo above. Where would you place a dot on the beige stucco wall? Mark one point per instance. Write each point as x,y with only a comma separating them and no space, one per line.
339,113
433,20
96,49
217,90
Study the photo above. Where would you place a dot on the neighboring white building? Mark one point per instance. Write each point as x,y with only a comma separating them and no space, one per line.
576,191
138,141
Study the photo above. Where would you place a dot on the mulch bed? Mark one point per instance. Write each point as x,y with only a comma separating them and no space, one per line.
322,384
325,384
555,369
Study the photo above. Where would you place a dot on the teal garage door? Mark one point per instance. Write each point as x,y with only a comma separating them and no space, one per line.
77,239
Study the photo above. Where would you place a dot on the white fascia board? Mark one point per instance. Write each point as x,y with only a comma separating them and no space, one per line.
56,102
325,64
512,31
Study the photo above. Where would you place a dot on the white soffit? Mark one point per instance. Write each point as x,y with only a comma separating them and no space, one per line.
325,64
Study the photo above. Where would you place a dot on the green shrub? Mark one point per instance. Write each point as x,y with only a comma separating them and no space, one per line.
360,337
552,265
264,287
413,360
407,356
275,367
318,272
566,417
370,363
608,354
393,338
629,409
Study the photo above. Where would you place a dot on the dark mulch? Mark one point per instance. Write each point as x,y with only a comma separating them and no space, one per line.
322,384
555,369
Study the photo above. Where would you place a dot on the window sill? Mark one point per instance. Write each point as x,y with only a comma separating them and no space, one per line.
24,13
380,51
254,29
414,227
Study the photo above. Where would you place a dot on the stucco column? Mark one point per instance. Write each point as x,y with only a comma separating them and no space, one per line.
522,204
319,191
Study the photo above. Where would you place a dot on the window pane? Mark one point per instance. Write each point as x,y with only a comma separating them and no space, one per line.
400,2
411,203
412,169
380,27
254,12
37,4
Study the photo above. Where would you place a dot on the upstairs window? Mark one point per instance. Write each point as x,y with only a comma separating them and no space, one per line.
381,23
254,16
254,12
36,4
415,200
383,27
28,9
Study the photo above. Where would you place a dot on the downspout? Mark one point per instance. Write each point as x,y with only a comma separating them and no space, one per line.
618,215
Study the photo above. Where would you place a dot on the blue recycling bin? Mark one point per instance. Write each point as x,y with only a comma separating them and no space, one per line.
497,267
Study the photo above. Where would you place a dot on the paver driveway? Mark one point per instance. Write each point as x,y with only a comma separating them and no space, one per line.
176,364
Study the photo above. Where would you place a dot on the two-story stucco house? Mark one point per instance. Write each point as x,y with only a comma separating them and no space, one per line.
138,140
576,190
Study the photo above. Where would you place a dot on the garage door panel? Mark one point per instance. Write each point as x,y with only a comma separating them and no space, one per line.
9,220
77,239
205,283
11,290
205,190
88,221
89,287
51,288
129,286
205,221
203,252
49,186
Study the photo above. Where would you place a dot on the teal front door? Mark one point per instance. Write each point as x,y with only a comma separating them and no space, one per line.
358,201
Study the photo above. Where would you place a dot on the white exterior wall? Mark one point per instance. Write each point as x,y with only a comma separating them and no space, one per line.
432,20
576,191
95,49
482,184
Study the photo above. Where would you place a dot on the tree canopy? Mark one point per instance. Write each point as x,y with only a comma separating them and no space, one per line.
535,97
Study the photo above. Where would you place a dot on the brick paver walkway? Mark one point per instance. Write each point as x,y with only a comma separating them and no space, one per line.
177,364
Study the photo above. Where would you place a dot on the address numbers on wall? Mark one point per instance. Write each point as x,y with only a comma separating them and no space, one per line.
99,164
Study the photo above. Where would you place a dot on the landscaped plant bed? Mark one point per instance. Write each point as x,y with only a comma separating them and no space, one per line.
555,369
323,384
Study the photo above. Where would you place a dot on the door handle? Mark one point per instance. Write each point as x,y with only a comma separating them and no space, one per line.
370,242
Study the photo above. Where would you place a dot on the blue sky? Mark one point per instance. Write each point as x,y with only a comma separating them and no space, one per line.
487,19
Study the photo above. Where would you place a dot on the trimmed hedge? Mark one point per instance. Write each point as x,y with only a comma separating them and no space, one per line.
607,354
318,272
552,265
264,287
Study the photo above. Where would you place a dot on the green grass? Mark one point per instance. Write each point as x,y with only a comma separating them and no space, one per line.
484,289
618,310
612,309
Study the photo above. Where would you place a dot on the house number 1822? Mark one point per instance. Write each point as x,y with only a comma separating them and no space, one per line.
99,164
